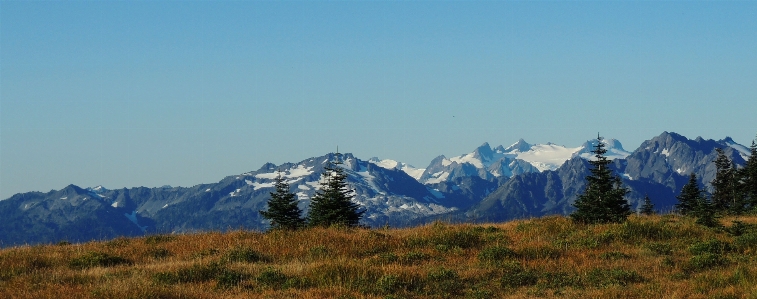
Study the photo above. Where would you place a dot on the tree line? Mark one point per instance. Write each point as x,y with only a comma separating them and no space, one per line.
734,192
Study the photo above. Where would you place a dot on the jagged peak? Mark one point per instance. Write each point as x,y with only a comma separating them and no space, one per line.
727,139
485,150
521,146
267,167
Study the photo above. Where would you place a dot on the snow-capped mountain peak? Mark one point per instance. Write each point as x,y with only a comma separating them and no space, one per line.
547,156
520,157
613,146
519,146
744,151
392,164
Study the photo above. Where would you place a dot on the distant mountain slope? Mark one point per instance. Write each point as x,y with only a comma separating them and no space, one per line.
659,168
389,196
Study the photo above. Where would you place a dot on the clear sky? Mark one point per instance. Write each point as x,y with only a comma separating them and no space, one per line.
150,93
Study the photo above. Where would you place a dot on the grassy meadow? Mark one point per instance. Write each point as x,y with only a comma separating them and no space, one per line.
646,257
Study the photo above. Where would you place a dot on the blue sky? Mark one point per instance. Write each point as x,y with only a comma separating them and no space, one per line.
129,94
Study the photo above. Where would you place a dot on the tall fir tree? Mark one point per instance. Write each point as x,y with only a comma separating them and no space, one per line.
647,208
603,201
724,193
283,211
332,204
689,199
749,178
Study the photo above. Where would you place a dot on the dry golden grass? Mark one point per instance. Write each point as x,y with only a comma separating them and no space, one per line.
646,257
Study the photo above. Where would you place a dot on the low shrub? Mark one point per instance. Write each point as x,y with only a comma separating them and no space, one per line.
205,253
738,228
706,261
228,278
243,255
344,275
607,277
8,273
201,273
159,253
746,241
478,292
445,282
514,276
659,248
712,246
318,252
559,280
640,230
385,258
539,252
613,255
97,259
414,257
462,239
495,254
388,284
271,278
448,238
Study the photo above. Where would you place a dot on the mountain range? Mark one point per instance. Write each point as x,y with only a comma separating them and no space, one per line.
490,184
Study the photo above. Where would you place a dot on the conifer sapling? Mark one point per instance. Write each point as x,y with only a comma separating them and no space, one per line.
283,211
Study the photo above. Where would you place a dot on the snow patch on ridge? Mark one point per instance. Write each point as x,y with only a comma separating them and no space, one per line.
744,151
133,218
469,158
300,171
547,156
438,177
410,170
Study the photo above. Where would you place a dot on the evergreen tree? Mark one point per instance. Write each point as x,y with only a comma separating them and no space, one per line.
283,211
332,204
603,201
724,195
688,200
706,213
647,208
749,178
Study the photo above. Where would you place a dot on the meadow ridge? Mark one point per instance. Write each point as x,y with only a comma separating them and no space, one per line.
664,256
